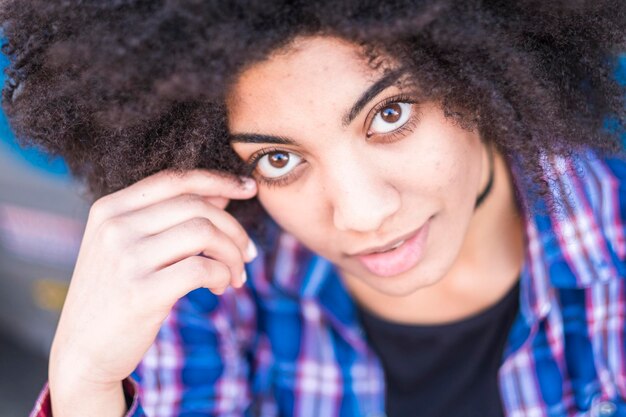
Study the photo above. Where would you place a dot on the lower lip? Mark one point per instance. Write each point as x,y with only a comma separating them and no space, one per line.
399,260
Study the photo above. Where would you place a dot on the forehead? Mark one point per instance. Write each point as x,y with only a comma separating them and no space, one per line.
309,57
313,75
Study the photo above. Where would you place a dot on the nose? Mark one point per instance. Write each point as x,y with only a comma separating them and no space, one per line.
361,197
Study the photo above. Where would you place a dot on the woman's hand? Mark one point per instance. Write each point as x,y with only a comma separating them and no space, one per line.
144,247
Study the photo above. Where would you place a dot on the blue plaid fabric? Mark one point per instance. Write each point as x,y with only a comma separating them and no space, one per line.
290,343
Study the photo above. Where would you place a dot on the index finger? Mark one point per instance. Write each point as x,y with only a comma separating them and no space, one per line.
167,184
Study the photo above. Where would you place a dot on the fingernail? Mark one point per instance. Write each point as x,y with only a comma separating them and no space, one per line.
244,277
251,251
248,183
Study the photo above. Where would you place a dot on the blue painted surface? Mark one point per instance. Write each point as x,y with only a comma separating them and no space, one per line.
35,158
620,74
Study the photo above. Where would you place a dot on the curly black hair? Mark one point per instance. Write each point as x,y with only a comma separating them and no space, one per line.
125,88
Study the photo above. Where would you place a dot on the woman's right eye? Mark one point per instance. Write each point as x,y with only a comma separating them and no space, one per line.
276,164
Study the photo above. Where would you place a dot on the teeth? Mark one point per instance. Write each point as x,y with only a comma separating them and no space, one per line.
393,247
397,244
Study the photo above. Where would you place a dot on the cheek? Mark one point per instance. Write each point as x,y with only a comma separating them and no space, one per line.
304,215
448,169
458,176
277,205
294,211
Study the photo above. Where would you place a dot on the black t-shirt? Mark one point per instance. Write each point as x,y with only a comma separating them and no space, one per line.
444,370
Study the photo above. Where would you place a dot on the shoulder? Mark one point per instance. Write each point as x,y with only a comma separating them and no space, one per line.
596,191
581,237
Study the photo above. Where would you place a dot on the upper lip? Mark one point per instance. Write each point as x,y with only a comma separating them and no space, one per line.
386,246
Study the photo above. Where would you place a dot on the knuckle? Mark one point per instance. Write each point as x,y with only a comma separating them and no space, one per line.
195,204
190,199
112,230
198,267
169,174
209,273
203,174
242,239
207,174
99,208
201,224
170,177
218,291
218,178
237,232
220,274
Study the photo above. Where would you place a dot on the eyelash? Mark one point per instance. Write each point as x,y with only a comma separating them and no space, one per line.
390,137
402,130
269,182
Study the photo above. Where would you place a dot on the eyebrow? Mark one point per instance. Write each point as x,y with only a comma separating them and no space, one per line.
380,85
385,81
257,138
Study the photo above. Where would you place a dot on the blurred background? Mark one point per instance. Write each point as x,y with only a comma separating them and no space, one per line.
42,217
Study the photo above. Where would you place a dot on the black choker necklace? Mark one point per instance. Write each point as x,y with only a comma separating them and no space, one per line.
481,198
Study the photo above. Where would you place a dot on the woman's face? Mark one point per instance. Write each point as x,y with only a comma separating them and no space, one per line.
383,188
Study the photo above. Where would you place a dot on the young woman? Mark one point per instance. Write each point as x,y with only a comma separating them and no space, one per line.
407,208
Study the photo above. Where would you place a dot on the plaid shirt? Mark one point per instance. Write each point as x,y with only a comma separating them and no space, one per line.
290,342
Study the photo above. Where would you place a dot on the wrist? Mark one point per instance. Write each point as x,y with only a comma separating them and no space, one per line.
81,398
72,372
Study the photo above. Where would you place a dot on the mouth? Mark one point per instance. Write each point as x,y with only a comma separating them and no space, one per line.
391,245
396,256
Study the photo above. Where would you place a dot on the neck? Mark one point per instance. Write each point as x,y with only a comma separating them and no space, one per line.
495,235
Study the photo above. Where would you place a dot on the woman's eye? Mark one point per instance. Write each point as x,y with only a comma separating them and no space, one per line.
277,163
390,118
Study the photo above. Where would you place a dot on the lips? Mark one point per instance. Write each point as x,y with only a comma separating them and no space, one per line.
389,246
397,256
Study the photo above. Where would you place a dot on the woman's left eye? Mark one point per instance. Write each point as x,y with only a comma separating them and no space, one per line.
391,117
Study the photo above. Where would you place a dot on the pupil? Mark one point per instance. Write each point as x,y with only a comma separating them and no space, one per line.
279,159
391,113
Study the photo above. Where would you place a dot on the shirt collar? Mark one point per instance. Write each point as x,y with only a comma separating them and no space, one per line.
573,244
